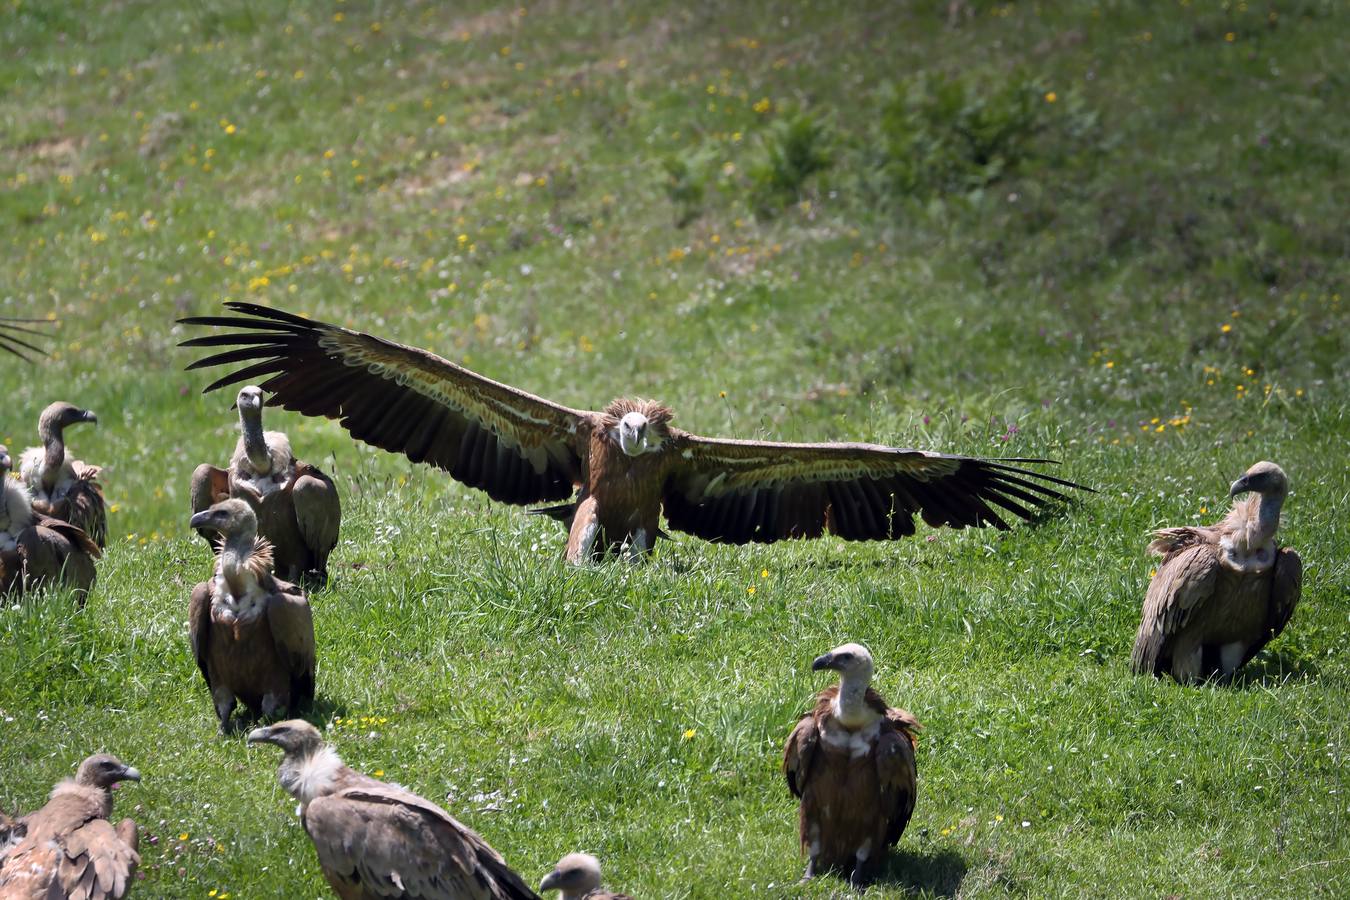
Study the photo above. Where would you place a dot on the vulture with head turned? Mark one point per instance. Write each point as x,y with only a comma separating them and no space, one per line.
626,463
1221,592
36,550
378,840
252,634
63,487
851,762
16,334
577,877
296,504
68,850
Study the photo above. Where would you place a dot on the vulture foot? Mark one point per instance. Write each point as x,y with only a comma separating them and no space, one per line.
810,871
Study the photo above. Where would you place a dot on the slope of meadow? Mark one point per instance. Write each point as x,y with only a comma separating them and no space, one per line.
1107,233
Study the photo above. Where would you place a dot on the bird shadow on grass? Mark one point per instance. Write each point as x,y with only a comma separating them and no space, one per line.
937,874
1274,669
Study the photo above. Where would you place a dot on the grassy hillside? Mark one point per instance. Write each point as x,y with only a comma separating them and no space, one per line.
1108,233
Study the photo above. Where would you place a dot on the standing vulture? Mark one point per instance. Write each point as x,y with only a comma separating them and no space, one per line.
64,487
296,504
37,550
577,877
378,840
68,850
628,462
1222,592
252,634
11,342
851,761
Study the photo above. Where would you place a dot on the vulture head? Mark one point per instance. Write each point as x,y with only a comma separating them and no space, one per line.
576,875
637,426
250,400
230,518
58,415
103,770
852,661
1264,478
294,736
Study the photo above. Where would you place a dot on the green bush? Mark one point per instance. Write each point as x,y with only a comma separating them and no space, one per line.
957,135
793,149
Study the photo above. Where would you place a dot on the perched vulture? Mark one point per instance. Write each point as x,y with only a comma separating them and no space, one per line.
851,761
1222,592
11,340
577,877
68,850
252,634
61,486
37,550
296,504
627,463
378,840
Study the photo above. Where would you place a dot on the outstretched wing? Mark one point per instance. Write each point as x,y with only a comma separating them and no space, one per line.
1184,584
762,491
518,447
395,844
16,336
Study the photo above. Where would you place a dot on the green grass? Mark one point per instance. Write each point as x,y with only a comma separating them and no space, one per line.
1145,276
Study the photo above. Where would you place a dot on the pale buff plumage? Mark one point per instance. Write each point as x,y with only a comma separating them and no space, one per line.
1223,591
68,850
376,840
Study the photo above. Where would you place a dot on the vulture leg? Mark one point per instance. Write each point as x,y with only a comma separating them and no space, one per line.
224,700
1231,656
639,546
585,529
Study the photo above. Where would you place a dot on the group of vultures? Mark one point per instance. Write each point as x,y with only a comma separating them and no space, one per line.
1220,593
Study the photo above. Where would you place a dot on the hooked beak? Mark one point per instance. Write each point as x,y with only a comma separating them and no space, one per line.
260,736
88,416
551,881
201,519
1242,485
130,774
822,662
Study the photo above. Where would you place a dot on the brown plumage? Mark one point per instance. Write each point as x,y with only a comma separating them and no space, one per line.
68,850
36,550
1221,592
252,634
377,840
296,504
577,877
851,761
61,486
627,463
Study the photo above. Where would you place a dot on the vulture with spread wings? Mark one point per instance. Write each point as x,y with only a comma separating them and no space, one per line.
627,463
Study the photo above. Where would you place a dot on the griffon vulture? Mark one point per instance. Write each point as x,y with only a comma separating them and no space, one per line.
37,550
577,877
628,462
378,840
1222,592
252,634
296,504
11,342
68,850
61,486
851,761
